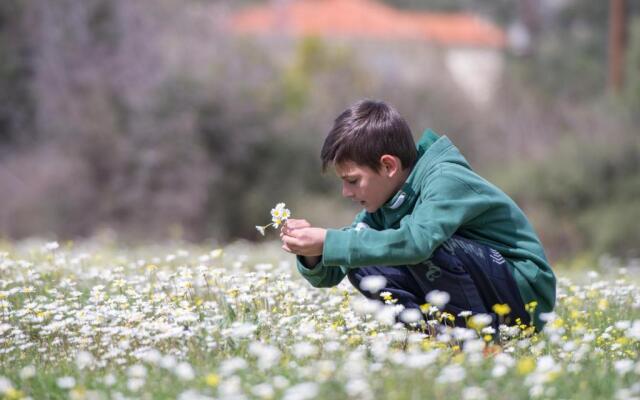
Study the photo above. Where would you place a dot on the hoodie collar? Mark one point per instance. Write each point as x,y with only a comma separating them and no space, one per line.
429,137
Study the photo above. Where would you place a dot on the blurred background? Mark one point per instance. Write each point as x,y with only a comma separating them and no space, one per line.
190,119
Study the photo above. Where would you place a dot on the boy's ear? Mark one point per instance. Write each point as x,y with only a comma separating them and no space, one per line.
390,165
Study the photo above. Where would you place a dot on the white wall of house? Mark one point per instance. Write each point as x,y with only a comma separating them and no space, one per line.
476,71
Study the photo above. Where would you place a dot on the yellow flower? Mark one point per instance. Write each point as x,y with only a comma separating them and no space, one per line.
386,296
279,214
354,340
501,309
12,393
212,380
622,340
603,304
525,365
277,222
446,315
531,306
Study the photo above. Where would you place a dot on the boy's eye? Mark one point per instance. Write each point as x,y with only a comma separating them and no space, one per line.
352,181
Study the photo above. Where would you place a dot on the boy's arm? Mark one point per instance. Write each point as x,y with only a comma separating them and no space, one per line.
434,220
320,275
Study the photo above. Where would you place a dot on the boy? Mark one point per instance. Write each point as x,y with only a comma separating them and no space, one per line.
429,223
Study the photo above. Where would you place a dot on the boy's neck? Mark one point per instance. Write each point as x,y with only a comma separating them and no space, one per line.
402,179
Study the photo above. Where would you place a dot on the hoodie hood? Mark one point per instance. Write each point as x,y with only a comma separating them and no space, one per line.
432,150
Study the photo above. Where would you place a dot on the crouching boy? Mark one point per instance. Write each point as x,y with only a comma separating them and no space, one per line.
429,223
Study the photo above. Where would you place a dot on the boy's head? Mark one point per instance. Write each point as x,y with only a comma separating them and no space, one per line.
373,151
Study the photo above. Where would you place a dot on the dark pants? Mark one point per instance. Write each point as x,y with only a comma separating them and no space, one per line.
475,276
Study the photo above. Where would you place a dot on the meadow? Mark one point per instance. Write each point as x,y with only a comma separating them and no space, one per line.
96,320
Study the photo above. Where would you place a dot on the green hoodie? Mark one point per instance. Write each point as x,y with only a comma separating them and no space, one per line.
441,196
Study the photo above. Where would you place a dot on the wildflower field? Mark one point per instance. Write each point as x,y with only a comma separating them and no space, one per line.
92,320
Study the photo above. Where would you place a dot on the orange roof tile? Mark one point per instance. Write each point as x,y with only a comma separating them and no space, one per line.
366,18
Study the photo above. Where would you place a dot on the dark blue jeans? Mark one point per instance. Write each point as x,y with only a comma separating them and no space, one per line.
475,276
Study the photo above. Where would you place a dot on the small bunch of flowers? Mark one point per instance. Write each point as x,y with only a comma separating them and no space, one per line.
279,214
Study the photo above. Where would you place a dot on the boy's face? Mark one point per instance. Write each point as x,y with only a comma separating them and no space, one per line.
371,189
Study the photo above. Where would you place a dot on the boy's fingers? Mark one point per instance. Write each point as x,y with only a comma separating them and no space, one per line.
299,233
296,223
287,229
292,234
291,242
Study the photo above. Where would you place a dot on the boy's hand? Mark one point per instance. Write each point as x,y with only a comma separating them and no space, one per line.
299,237
292,224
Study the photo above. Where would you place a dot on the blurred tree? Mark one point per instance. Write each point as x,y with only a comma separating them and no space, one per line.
151,127
569,55
16,104
631,90
592,185
502,11
568,40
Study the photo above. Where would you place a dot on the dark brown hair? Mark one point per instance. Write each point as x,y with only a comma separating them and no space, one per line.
365,132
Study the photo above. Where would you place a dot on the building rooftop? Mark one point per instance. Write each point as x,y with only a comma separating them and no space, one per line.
366,19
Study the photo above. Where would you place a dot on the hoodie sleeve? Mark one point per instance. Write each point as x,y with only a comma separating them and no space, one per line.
321,275
450,203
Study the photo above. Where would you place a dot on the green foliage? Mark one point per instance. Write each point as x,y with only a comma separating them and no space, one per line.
501,10
153,127
631,91
313,61
593,186
612,226
569,57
